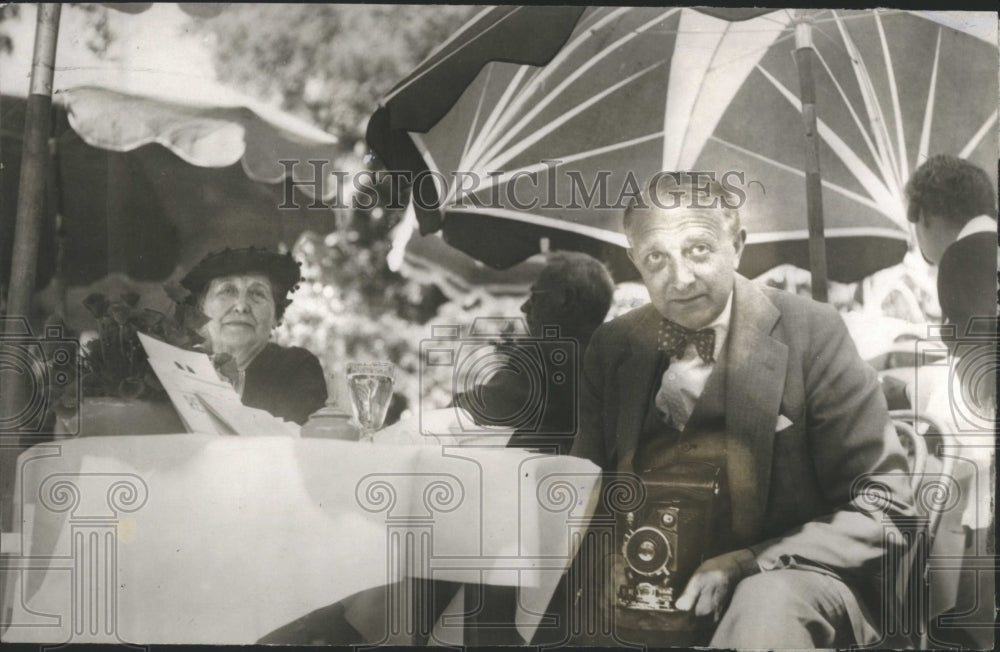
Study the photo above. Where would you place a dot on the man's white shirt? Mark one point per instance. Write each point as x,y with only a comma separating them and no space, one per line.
979,224
684,381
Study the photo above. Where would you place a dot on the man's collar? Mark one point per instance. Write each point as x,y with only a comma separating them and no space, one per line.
980,224
721,325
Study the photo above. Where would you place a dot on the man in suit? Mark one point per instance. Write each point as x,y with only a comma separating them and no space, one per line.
803,427
572,294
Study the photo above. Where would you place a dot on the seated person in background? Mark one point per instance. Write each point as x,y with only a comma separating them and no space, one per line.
573,294
767,388
953,205
244,293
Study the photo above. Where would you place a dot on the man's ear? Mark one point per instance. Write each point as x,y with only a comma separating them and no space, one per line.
739,244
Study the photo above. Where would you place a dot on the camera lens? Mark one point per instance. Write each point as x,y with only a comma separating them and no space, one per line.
647,551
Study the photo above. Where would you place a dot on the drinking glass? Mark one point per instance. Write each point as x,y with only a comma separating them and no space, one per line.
369,385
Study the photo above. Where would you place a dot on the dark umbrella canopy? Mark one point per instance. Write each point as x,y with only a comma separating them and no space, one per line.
639,90
146,212
418,102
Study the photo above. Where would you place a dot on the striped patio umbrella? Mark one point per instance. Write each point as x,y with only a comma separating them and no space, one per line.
545,106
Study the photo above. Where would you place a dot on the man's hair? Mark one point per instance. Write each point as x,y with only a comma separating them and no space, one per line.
667,191
952,188
590,280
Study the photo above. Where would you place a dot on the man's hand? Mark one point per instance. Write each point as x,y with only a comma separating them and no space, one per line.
709,589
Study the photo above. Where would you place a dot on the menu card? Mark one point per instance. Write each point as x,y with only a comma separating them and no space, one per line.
205,402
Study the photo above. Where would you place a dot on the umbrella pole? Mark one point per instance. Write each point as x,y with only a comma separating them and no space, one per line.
814,188
34,162
28,228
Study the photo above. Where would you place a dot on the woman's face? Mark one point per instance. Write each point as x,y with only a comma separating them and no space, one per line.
241,312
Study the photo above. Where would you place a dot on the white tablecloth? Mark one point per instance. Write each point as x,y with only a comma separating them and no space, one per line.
206,539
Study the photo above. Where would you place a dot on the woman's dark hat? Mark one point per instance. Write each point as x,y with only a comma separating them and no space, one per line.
281,269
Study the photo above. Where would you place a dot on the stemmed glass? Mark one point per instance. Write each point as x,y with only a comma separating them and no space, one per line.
369,385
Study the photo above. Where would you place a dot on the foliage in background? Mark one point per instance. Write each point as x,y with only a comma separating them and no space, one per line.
7,11
326,62
98,34
320,321
115,363
330,64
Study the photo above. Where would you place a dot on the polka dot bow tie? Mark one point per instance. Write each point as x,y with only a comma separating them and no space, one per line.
674,340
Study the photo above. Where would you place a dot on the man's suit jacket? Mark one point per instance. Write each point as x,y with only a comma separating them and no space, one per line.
794,493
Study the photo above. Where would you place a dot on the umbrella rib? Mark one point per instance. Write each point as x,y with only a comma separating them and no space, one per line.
512,132
572,158
771,19
418,140
834,232
925,130
543,73
538,134
878,125
701,86
409,82
475,117
867,96
501,179
854,114
431,165
763,30
963,24
850,194
869,180
976,139
540,75
594,232
563,54
484,137
894,94
862,15
746,54
617,238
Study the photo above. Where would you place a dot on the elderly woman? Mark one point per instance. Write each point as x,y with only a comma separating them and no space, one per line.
244,293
